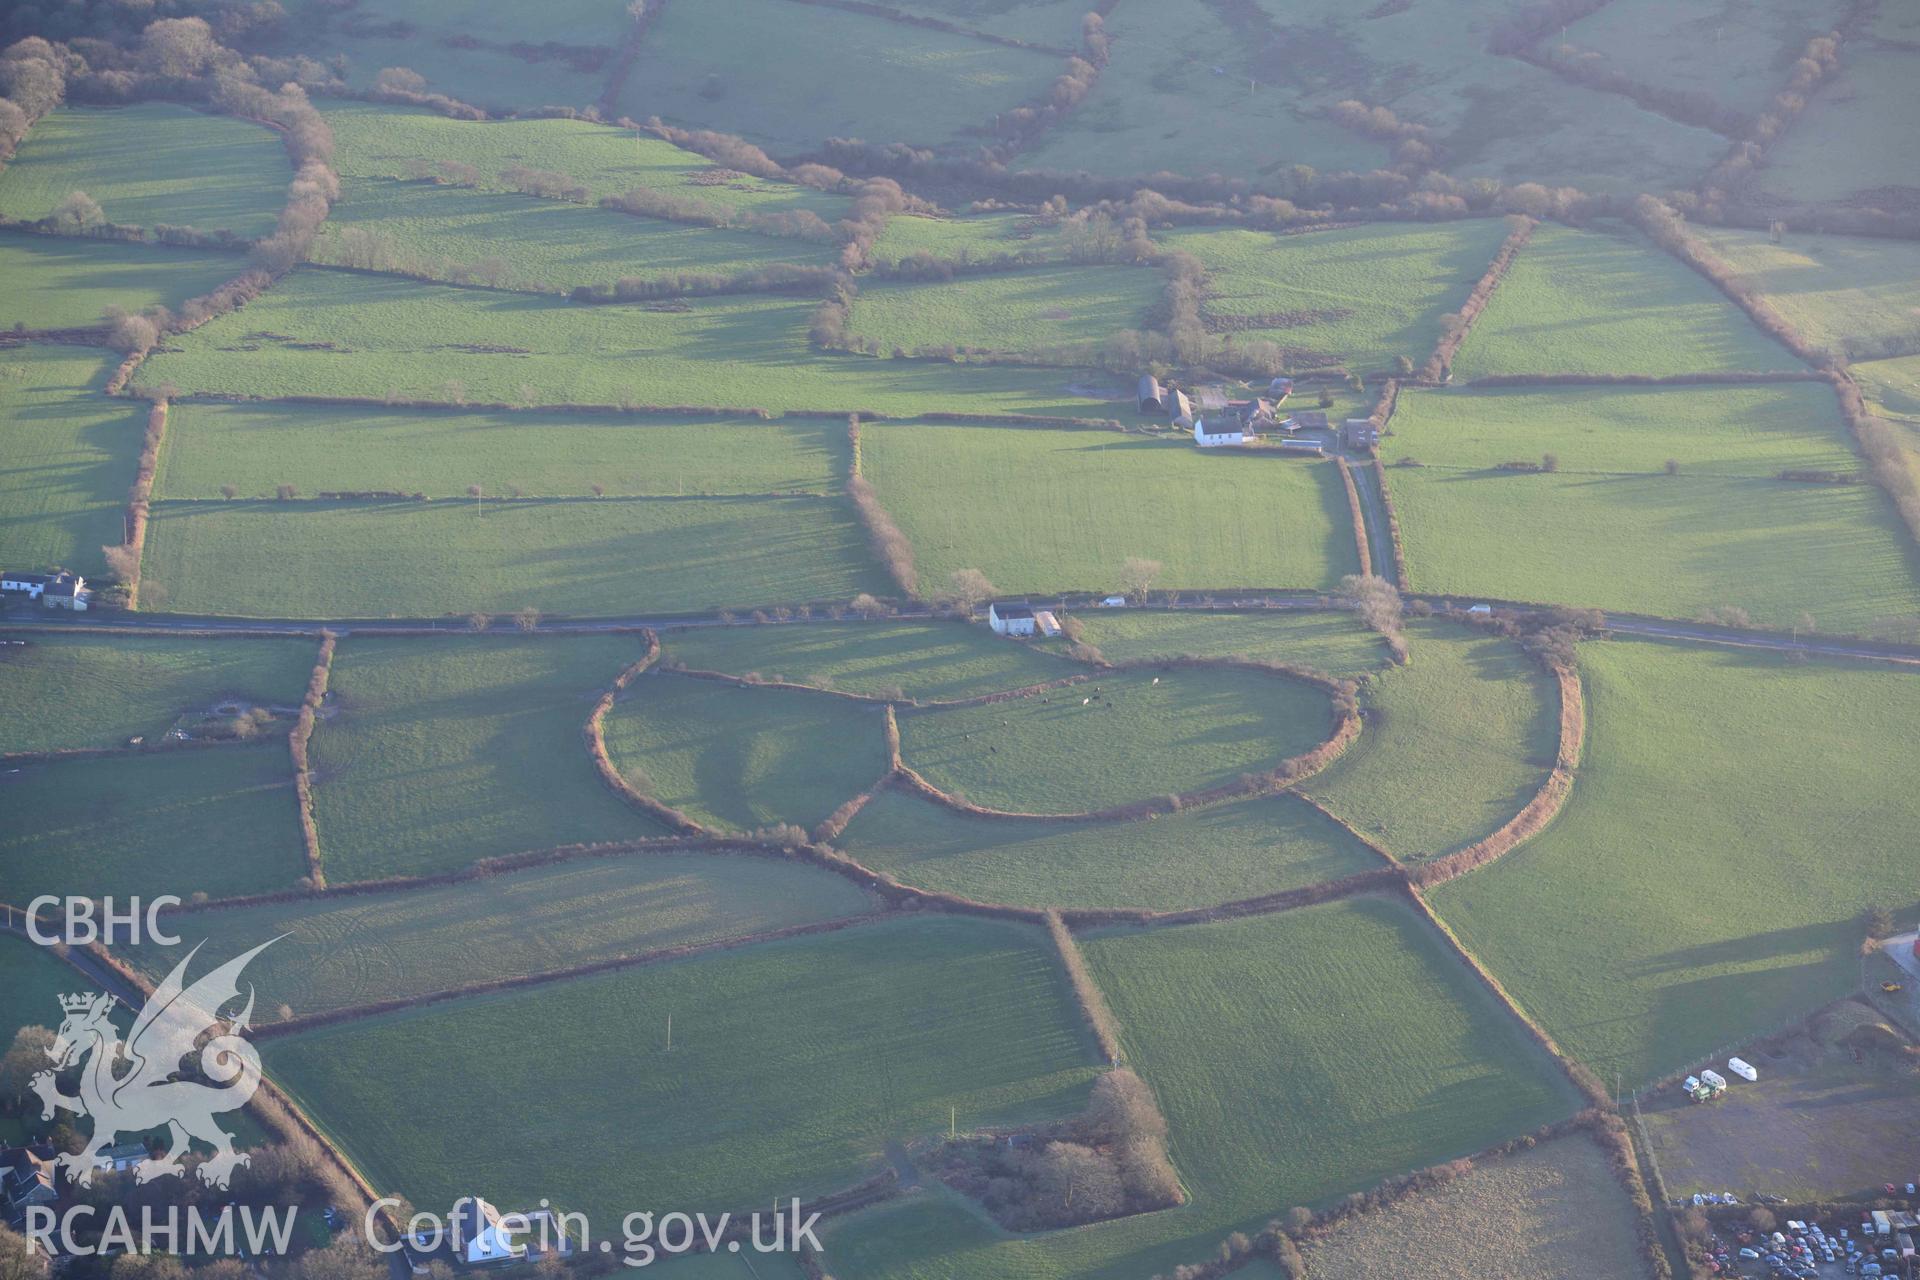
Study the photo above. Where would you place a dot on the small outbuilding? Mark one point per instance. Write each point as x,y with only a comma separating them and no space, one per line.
1153,399
1305,448
1228,432
1179,408
1011,618
1309,420
1045,622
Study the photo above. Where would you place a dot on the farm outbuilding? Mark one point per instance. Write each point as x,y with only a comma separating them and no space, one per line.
1253,414
29,585
1152,398
1179,408
1011,618
1359,433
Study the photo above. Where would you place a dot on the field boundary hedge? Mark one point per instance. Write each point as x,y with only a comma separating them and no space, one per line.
297,743
644,12
1347,886
1087,996
594,731
163,747
127,564
880,699
1359,519
1541,810
630,960
1583,1080
1727,378
1462,321
870,10
1393,524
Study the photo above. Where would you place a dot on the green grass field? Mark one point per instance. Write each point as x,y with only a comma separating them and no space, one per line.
383,337
219,820
1740,55
1608,301
1266,1040
68,691
1358,296
1297,1056
1732,818
1456,742
32,980
743,758
150,164
1194,88
753,68
70,456
1047,510
1331,642
843,1041
513,241
324,448
1850,139
1044,309
1159,105
55,283
438,753
1122,737
345,951
378,141
417,34
1675,546
1747,431
1192,859
560,556
1848,294
1055,22
929,661
974,236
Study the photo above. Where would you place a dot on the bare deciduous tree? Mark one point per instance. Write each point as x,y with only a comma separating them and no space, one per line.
968,589
1137,575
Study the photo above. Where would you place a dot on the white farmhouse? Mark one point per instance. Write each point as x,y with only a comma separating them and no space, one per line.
66,591
477,1235
1008,619
1230,431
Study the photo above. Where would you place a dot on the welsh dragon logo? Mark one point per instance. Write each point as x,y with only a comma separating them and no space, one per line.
133,1088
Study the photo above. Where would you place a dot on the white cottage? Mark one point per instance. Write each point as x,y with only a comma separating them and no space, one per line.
1008,619
477,1235
66,591
1230,431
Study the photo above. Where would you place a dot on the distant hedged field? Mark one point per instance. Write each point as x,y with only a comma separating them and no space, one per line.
546,471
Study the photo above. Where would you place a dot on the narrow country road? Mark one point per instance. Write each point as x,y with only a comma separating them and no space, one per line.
22,618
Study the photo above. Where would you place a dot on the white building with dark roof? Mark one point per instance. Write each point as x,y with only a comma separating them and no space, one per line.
1011,618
